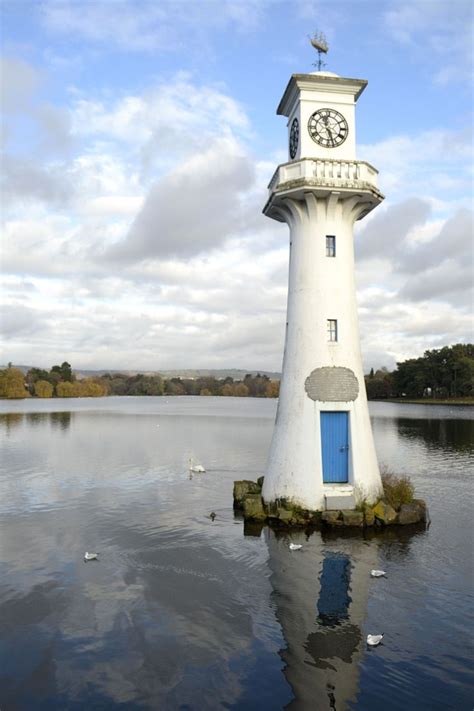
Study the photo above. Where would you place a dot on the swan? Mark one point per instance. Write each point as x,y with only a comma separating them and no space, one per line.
374,639
295,546
90,556
377,573
195,467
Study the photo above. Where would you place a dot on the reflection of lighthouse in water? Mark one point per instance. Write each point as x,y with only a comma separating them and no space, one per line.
321,595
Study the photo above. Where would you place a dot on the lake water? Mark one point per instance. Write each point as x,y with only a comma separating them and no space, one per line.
182,612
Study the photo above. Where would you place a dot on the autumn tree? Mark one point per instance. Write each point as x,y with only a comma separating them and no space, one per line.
227,390
43,389
12,384
272,388
89,387
67,389
241,390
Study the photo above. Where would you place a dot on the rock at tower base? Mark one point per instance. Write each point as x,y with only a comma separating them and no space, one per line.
285,514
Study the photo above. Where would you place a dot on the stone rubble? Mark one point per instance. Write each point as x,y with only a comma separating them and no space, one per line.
248,500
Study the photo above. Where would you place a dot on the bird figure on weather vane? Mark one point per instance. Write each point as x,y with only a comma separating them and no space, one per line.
318,41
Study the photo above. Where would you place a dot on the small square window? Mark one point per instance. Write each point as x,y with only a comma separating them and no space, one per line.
330,246
332,329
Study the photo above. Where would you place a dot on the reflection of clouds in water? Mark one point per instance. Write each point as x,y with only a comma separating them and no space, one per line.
161,633
40,608
155,620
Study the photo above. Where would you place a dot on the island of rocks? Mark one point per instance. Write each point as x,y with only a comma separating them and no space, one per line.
284,514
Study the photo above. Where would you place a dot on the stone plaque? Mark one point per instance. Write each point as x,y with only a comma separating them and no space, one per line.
332,384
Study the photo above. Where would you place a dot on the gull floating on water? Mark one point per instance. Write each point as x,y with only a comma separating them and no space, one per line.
90,556
295,546
374,639
195,467
377,573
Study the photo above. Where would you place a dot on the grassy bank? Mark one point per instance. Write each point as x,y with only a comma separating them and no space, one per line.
432,400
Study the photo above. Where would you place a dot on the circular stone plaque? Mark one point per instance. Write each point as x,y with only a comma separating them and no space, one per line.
332,384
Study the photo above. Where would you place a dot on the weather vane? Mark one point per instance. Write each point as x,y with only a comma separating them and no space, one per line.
318,40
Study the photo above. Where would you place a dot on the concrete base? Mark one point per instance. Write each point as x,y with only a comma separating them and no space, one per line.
339,496
335,503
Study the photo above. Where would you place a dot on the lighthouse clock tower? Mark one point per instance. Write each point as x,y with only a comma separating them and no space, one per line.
322,454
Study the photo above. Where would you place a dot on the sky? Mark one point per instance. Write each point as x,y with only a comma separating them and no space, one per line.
138,140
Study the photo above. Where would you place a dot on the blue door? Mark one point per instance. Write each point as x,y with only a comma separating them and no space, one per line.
335,446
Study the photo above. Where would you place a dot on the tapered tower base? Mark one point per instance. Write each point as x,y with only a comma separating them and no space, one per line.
322,453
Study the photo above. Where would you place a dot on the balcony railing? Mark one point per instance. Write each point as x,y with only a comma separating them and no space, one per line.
331,173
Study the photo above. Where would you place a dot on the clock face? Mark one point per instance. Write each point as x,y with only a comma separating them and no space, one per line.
328,128
294,137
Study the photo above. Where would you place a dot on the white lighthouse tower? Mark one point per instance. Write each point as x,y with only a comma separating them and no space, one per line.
322,453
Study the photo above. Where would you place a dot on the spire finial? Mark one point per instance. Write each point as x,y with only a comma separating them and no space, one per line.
318,41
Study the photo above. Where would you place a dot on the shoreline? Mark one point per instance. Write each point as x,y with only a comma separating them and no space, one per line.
427,401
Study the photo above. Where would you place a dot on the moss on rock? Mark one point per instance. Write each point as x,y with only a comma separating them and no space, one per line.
253,508
352,518
369,517
385,513
242,489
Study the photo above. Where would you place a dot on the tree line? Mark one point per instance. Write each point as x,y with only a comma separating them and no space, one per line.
60,381
440,373
140,384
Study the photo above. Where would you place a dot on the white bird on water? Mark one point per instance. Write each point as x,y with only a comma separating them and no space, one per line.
90,556
374,639
198,468
295,546
377,573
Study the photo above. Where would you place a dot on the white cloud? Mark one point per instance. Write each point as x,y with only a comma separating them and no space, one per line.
387,229
103,172
112,206
193,209
439,29
149,26
19,82
19,321
415,287
166,124
54,124
423,164
24,180
48,126
36,139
